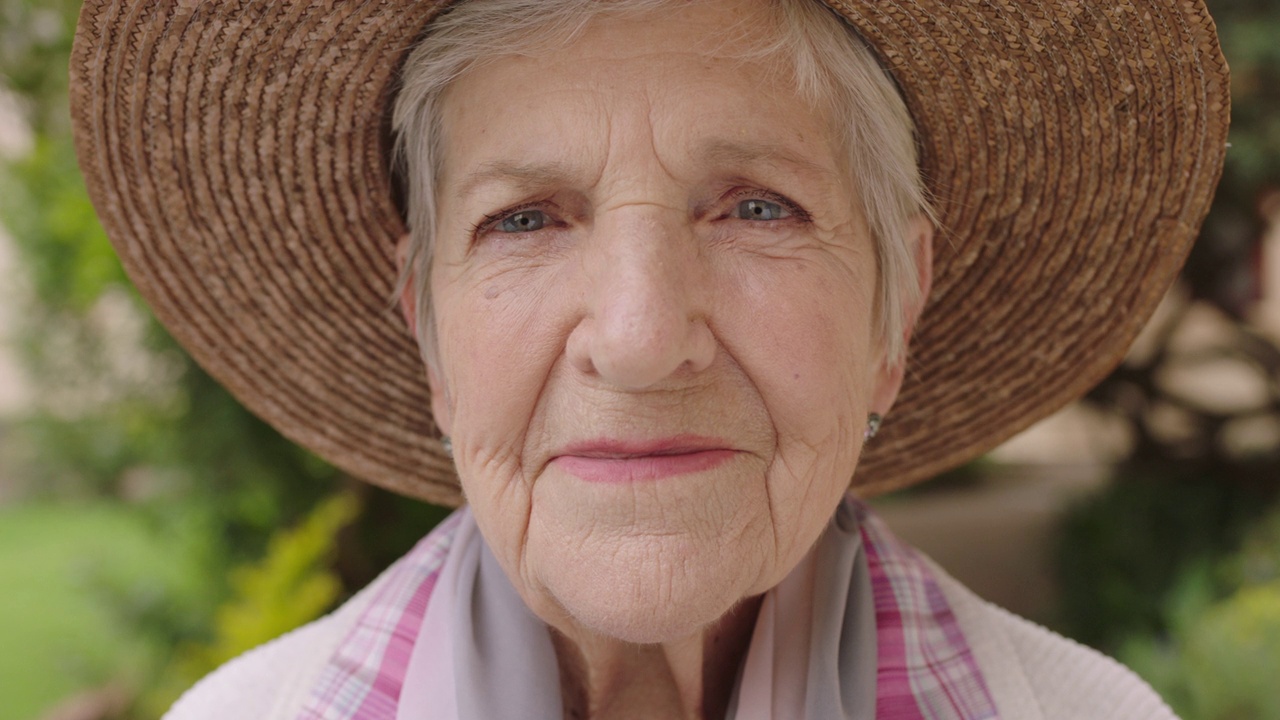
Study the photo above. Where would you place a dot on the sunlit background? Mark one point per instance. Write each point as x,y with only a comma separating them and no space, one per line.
150,528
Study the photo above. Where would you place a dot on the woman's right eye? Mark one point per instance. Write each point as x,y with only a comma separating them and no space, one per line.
522,222
760,209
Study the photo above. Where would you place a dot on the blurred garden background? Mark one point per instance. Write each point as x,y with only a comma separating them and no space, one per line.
151,528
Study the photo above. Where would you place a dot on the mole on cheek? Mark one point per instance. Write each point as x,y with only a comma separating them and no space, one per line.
491,293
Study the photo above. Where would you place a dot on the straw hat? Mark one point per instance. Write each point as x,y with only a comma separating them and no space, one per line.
237,153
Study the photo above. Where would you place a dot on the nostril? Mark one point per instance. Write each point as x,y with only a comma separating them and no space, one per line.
578,348
636,356
702,350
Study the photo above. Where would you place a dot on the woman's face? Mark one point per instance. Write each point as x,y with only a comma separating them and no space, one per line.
654,299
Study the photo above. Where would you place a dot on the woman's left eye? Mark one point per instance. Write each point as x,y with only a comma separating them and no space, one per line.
759,209
523,221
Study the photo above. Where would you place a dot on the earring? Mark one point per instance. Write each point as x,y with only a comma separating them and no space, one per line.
873,425
447,444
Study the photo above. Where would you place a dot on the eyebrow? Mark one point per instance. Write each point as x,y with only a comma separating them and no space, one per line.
715,154
539,175
723,153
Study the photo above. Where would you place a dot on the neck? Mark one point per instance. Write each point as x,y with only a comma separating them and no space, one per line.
691,678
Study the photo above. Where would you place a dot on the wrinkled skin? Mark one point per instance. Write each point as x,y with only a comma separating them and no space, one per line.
642,239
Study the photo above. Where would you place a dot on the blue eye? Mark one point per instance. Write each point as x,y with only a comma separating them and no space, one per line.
523,222
757,209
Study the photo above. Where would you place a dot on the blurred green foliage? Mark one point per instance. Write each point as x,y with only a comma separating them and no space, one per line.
1122,553
68,260
35,43
1222,267
292,584
1248,30
1220,659
289,586
79,581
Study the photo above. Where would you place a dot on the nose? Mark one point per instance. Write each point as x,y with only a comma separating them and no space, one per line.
644,319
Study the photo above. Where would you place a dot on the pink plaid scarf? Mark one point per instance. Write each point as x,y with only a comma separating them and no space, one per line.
924,667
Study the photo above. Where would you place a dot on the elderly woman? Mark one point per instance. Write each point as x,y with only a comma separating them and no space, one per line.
663,262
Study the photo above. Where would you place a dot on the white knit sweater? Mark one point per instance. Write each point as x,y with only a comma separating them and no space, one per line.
1032,673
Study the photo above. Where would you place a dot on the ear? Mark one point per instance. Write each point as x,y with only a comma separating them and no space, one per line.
889,381
408,298
440,410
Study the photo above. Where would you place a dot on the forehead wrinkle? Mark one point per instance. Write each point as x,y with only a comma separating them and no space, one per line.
640,153
633,169
527,176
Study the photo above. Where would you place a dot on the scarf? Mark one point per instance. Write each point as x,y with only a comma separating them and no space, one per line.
860,629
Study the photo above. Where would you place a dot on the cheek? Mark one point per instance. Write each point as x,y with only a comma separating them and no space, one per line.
809,352
497,344
805,336
498,334
490,366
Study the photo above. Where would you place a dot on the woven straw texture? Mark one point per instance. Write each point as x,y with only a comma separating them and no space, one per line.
237,153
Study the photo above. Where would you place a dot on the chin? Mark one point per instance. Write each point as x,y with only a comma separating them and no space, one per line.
648,599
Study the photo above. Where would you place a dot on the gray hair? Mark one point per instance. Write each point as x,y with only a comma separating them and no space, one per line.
832,65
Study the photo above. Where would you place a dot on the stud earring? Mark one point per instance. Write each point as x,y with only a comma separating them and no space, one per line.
447,444
873,425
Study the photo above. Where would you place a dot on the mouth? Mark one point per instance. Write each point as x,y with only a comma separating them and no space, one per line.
611,461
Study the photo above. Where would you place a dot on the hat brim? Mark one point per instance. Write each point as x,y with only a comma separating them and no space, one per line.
237,154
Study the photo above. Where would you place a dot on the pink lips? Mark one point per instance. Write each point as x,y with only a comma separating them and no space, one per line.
615,461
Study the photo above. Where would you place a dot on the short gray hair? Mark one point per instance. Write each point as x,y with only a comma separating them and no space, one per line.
832,66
